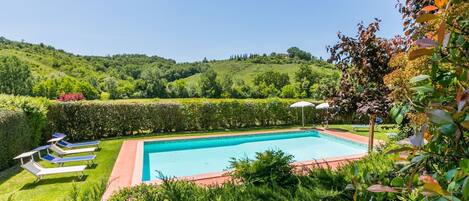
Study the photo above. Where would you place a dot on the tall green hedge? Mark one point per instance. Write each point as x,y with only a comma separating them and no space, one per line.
22,123
96,119
35,110
15,136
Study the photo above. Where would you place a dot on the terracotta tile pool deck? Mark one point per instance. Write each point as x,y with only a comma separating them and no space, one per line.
127,169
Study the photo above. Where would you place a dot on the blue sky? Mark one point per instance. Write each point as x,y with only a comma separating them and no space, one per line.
189,30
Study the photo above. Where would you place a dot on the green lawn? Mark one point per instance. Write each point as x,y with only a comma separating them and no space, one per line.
20,184
380,133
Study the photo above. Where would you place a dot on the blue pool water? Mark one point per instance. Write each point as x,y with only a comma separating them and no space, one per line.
198,156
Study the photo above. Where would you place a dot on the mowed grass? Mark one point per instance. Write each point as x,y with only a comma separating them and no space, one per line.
19,184
380,132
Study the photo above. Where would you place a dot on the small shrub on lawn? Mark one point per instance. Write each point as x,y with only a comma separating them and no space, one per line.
90,192
270,168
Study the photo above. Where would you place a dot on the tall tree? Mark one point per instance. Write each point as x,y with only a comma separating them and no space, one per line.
305,79
226,84
295,52
154,84
208,85
364,61
15,76
270,77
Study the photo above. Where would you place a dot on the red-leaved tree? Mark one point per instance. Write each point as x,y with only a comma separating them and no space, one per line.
363,61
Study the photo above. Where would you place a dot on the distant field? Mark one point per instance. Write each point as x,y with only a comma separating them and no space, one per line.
247,71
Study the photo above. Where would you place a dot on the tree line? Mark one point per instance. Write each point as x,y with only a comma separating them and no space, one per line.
16,78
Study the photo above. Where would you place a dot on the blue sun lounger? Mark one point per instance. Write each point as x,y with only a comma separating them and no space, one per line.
66,144
60,161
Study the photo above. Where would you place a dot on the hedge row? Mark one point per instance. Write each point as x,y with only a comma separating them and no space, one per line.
35,110
22,123
15,136
96,119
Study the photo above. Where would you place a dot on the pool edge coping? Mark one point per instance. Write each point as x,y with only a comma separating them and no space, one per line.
134,175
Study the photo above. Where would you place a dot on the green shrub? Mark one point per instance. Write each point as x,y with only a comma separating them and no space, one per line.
270,168
91,192
320,184
15,136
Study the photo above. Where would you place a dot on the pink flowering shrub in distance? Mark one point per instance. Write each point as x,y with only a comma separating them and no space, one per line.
71,97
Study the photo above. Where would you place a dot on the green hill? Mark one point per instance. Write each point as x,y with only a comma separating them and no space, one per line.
55,71
246,71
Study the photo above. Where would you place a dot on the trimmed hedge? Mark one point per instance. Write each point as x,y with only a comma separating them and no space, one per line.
15,136
96,119
35,110
22,123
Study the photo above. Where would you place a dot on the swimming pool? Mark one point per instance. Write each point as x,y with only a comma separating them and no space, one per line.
176,158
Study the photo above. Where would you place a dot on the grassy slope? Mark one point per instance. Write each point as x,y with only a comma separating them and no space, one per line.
379,132
21,184
246,71
40,68
43,58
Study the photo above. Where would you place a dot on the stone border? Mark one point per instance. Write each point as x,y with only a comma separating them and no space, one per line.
127,170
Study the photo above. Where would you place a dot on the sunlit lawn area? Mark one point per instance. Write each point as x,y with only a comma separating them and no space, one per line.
380,133
20,184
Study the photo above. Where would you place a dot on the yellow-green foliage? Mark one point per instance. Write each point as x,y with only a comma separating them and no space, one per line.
35,110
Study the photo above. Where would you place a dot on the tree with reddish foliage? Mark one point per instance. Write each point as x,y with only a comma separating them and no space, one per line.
363,62
71,97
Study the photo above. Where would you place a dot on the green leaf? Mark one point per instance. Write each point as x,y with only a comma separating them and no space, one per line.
465,188
450,174
418,158
464,165
423,89
399,118
448,129
440,117
450,197
397,181
425,18
419,78
400,149
395,111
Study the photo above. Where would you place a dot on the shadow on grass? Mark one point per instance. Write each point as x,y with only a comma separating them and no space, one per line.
8,173
47,181
92,166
